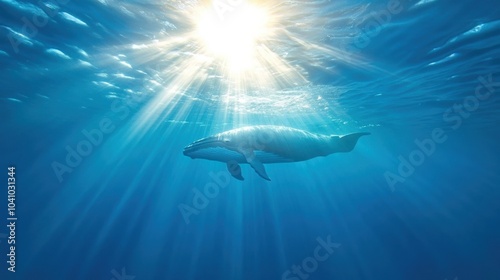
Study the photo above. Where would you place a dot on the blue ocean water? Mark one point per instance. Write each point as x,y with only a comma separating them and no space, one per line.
100,97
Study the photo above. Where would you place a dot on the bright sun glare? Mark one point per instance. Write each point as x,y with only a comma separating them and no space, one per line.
233,35
237,51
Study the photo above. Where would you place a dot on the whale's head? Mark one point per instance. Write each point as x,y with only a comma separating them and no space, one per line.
220,147
199,146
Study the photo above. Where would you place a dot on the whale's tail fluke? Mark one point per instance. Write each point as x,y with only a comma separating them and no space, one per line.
347,142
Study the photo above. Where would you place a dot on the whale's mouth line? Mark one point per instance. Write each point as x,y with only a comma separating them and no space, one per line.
205,143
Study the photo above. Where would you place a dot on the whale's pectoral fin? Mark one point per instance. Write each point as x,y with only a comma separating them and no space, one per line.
346,143
259,168
234,168
255,163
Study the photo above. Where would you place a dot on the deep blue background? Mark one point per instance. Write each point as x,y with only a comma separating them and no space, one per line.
119,207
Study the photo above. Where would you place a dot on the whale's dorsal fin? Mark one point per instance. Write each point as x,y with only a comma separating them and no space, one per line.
255,163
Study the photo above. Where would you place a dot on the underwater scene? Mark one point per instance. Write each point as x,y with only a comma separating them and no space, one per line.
250,139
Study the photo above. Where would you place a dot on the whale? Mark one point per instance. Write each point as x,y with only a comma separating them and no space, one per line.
265,144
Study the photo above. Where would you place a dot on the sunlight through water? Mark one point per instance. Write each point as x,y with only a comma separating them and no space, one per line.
233,35
244,56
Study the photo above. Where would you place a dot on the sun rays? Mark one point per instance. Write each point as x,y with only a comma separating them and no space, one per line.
225,55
